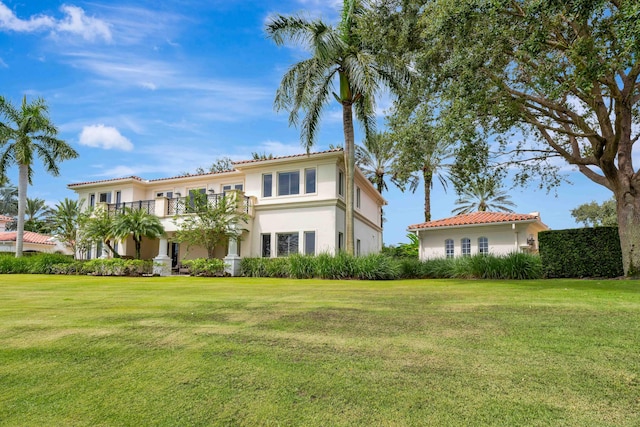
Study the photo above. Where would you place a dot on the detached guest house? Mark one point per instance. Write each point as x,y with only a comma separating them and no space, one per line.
295,203
494,233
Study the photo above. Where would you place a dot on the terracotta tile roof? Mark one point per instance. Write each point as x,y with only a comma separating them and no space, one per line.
29,237
240,162
244,162
136,178
4,218
475,218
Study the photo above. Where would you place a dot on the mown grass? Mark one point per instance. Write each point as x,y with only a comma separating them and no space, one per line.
92,351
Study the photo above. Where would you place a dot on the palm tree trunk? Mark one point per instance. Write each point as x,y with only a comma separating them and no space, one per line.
23,181
138,245
349,160
427,174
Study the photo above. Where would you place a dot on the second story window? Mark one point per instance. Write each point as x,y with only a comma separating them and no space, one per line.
267,185
341,183
358,197
104,197
92,200
288,183
230,187
310,180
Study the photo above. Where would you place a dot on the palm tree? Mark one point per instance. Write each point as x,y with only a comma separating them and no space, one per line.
99,226
65,221
423,152
36,209
25,132
9,200
337,54
376,158
482,195
137,223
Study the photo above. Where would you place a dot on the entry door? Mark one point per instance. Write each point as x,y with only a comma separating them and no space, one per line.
175,249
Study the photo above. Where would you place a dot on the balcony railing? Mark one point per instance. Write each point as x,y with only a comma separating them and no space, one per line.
146,205
185,205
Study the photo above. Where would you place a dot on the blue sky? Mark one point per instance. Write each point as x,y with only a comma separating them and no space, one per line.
156,89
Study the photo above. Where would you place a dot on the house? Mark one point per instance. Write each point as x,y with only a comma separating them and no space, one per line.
295,204
494,233
32,242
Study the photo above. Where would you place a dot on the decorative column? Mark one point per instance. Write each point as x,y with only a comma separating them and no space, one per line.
232,260
162,263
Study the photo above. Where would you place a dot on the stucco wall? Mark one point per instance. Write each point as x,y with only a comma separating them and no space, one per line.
503,238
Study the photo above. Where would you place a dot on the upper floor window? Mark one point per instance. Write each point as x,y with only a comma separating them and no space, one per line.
230,187
341,183
288,183
194,194
92,200
310,180
358,197
267,184
104,197
448,248
465,243
483,245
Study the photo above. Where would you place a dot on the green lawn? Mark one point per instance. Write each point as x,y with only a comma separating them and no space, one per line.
182,351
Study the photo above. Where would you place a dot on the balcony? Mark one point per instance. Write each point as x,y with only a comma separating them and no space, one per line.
146,205
163,207
185,205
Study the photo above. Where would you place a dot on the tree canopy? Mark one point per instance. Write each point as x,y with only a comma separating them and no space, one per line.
552,80
593,214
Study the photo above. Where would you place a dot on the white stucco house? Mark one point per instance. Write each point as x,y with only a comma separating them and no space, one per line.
4,220
295,204
494,233
33,242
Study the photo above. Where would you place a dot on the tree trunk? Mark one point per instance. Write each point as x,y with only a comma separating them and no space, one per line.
628,210
138,245
427,174
349,160
23,181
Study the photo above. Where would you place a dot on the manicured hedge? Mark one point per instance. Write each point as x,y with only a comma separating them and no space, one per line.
37,263
581,252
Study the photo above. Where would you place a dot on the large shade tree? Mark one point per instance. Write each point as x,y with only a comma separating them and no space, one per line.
555,79
26,132
340,67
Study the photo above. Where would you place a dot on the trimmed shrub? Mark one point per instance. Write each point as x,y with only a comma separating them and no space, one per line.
581,252
38,263
117,267
205,267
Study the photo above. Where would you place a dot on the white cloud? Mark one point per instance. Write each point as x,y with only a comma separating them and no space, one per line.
9,21
148,85
3,64
106,137
278,148
77,22
74,22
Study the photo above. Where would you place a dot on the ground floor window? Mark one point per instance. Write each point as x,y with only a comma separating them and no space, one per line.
266,245
340,241
358,247
466,246
483,245
287,243
309,242
448,248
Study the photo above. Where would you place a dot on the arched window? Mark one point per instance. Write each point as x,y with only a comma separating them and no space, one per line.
448,248
483,245
465,243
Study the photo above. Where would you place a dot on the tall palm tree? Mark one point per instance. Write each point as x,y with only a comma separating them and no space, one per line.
9,200
339,56
375,158
137,223
26,132
99,226
423,152
36,209
482,195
